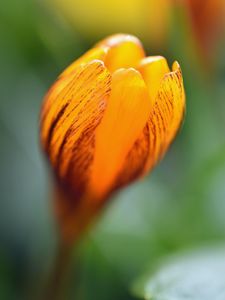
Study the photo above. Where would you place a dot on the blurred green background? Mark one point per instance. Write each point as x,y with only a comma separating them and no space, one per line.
180,205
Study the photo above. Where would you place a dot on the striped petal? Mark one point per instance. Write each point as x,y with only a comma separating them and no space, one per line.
69,123
166,115
126,115
98,53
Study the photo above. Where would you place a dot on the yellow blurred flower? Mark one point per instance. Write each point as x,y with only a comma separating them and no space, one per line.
148,19
106,121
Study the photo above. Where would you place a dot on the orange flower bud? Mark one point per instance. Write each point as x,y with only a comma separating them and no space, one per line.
106,121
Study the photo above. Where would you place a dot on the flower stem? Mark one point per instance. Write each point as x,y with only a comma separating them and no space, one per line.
59,276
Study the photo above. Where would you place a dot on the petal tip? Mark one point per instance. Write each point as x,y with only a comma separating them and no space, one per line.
119,38
151,59
176,66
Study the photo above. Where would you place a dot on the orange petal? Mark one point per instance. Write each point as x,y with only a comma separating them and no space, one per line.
52,94
153,69
125,117
52,104
98,53
135,162
125,51
69,124
166,115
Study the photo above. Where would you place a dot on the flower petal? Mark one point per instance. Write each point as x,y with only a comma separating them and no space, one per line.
52,94
125,51
135,161
69,125
166,115
125,117
153,69
98,53
116,39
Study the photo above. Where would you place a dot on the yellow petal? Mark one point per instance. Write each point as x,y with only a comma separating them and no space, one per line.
125,51
95,53
153,69
125,117
69,124
116,39
166,115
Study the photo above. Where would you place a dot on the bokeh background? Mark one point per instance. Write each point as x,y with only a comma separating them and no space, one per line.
180,205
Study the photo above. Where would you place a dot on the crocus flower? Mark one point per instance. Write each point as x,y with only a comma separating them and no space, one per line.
107,121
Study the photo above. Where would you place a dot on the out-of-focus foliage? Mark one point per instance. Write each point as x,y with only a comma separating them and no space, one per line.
179,205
